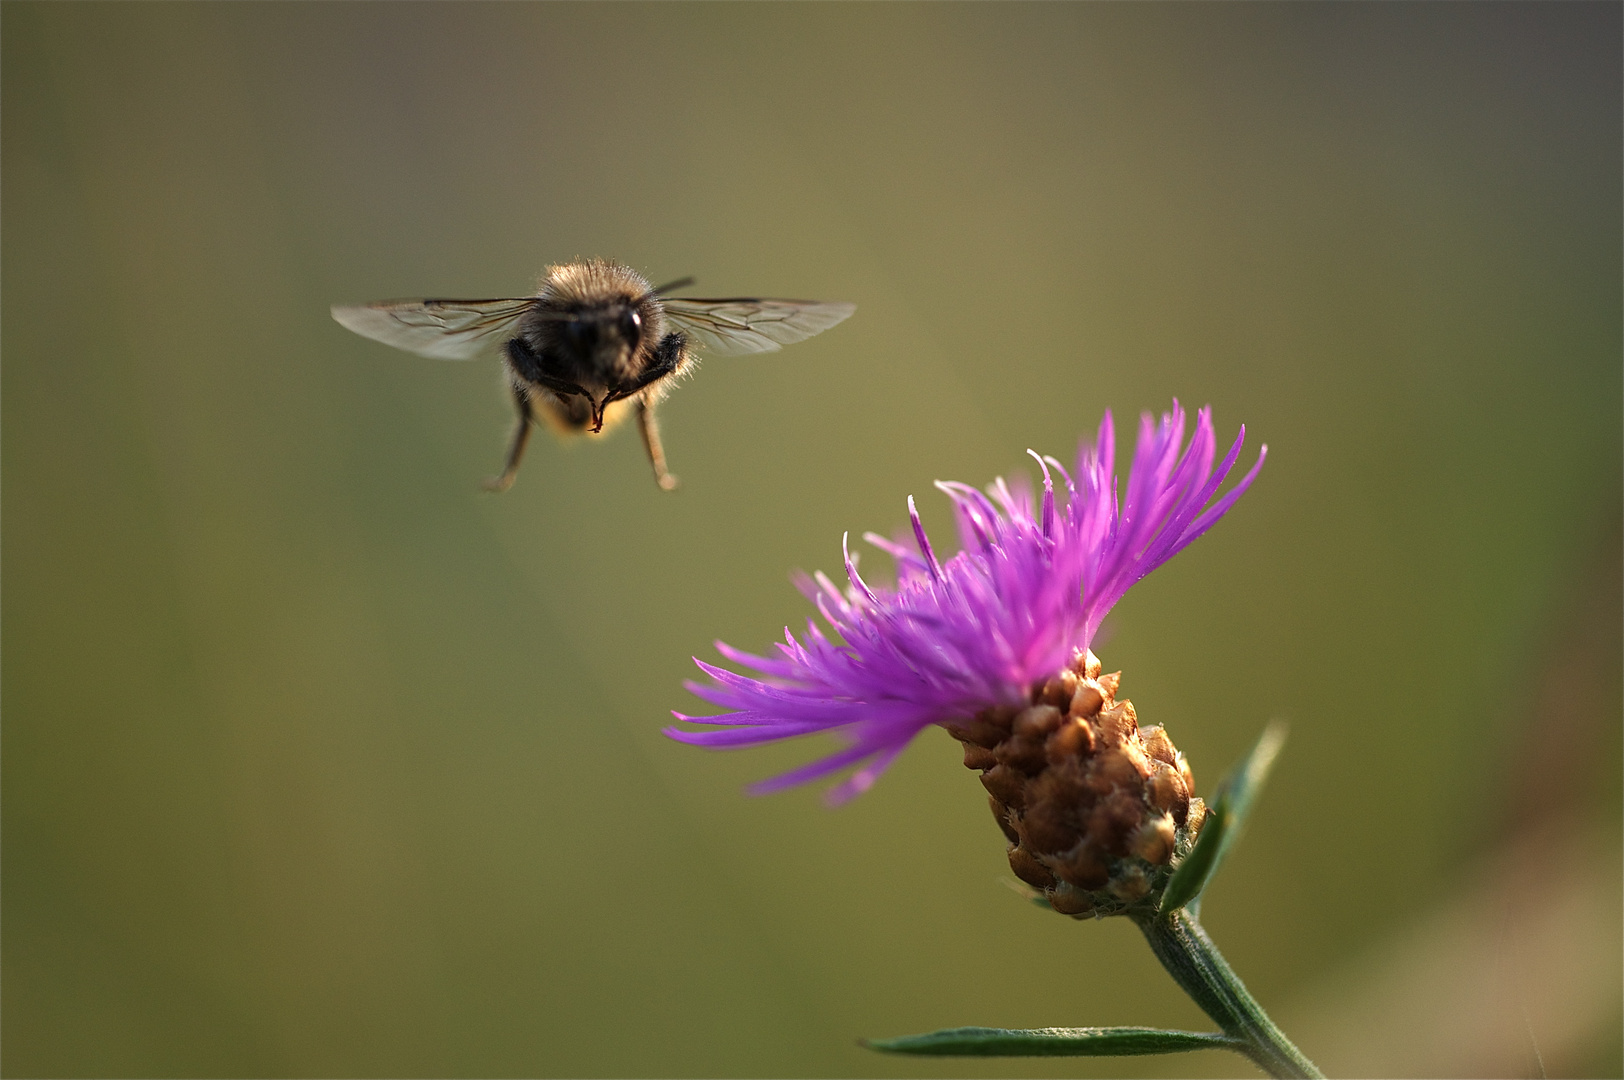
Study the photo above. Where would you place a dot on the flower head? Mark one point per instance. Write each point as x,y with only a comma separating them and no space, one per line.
1019,603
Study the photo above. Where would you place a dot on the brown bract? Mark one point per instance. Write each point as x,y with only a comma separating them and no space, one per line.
1097,810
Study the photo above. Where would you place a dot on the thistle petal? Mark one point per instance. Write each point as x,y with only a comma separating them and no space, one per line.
1027,591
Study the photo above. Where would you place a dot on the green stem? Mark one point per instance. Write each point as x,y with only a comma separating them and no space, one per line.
1196,965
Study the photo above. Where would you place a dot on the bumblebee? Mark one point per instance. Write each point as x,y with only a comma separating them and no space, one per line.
596,341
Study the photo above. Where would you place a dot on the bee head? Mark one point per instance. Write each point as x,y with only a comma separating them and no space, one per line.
603,339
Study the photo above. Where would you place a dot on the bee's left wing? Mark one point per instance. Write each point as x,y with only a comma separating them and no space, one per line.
442,329
746,325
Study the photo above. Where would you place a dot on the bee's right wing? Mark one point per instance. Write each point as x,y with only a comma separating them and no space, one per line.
750,325
442,329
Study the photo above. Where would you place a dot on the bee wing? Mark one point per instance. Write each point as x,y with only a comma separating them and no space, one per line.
443,329
748,325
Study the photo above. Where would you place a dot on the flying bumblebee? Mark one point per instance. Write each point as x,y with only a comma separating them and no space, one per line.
593,343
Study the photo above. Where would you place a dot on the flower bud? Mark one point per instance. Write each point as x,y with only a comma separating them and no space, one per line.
1097,810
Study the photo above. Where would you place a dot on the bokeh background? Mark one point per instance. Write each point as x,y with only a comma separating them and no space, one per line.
317,761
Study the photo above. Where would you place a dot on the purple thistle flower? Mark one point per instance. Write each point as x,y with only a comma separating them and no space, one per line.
1020,600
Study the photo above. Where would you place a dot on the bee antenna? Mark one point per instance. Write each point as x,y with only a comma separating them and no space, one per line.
680,283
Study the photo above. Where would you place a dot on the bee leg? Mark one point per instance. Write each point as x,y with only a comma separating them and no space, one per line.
665,362
651,442
516,451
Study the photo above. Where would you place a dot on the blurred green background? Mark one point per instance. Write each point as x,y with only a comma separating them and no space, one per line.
317,761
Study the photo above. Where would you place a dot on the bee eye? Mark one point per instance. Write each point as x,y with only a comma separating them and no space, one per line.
631,324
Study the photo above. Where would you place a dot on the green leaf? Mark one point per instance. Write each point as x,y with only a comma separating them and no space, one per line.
1028,893
1231,804
1053,1042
